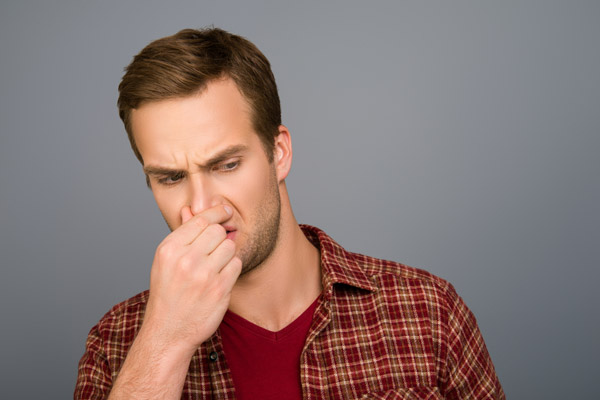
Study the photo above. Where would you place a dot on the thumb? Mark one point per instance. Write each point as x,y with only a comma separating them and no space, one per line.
186,214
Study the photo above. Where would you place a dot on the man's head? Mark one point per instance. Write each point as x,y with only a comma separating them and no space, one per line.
183,64
202,113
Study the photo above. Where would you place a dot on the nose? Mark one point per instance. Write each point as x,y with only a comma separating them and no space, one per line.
202,194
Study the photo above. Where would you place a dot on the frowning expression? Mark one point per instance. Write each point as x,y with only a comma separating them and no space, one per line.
201,151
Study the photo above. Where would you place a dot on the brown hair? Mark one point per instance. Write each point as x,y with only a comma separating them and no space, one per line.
182,64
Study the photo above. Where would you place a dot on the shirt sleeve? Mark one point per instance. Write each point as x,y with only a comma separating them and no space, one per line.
470,372
94,377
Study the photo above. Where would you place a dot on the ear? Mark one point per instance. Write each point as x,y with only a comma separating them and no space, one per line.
282,153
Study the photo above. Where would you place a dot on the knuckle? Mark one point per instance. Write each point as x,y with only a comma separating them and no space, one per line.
186,263
165,250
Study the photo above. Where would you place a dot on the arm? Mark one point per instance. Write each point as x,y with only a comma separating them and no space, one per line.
470,374
192,276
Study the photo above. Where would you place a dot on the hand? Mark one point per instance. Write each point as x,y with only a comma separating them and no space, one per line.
192,276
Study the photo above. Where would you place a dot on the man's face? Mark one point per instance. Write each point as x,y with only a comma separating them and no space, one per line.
201,151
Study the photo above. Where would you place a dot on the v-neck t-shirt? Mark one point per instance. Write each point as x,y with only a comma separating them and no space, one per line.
265,364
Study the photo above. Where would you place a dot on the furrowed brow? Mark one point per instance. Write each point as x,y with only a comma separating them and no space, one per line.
224,155
152,170
155,170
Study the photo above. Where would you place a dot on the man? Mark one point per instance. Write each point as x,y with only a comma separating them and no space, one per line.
243,302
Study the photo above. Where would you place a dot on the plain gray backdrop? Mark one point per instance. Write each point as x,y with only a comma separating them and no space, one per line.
461,137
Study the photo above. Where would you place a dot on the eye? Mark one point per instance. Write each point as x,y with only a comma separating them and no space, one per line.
228,166
171,179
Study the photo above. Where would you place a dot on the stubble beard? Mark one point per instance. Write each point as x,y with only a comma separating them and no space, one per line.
264,235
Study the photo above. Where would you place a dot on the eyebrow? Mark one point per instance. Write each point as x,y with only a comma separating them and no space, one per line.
211,162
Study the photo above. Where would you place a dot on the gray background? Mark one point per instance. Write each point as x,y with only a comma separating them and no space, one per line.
461,137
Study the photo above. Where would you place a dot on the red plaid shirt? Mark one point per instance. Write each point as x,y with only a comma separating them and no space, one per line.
381,330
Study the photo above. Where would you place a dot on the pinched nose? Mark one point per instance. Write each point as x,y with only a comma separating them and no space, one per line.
202,194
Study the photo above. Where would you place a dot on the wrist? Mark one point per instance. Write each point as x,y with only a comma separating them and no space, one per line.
153,368
164,342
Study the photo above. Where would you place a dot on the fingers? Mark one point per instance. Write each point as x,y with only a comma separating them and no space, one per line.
193,226
223,253
229,274
211,237
232,270
215,258
216,214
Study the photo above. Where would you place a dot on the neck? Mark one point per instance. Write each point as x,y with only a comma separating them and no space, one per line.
275,293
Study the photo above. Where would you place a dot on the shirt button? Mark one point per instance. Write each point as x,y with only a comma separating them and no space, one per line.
213,356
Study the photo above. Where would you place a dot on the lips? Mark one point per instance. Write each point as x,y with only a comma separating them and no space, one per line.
231,232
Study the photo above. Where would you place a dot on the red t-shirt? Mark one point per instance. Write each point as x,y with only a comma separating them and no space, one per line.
264,364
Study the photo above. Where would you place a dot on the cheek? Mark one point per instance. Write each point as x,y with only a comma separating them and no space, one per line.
170,206
248,192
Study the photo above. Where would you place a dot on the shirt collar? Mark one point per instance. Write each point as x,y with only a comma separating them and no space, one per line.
338,266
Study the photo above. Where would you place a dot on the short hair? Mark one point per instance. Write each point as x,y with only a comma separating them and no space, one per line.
183,64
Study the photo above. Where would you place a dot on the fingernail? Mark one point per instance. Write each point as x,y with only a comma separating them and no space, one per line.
228,209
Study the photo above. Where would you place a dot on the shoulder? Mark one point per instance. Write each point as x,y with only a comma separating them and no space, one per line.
377,269
410,285
343,268
109,340
385,273
123,320
128,308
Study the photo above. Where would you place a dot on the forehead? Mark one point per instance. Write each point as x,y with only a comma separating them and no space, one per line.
204,123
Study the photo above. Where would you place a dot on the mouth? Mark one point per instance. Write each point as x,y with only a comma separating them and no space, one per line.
231,232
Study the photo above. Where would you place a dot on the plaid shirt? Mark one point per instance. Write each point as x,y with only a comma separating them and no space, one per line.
381,330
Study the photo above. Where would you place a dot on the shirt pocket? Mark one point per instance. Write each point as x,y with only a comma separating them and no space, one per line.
418,393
